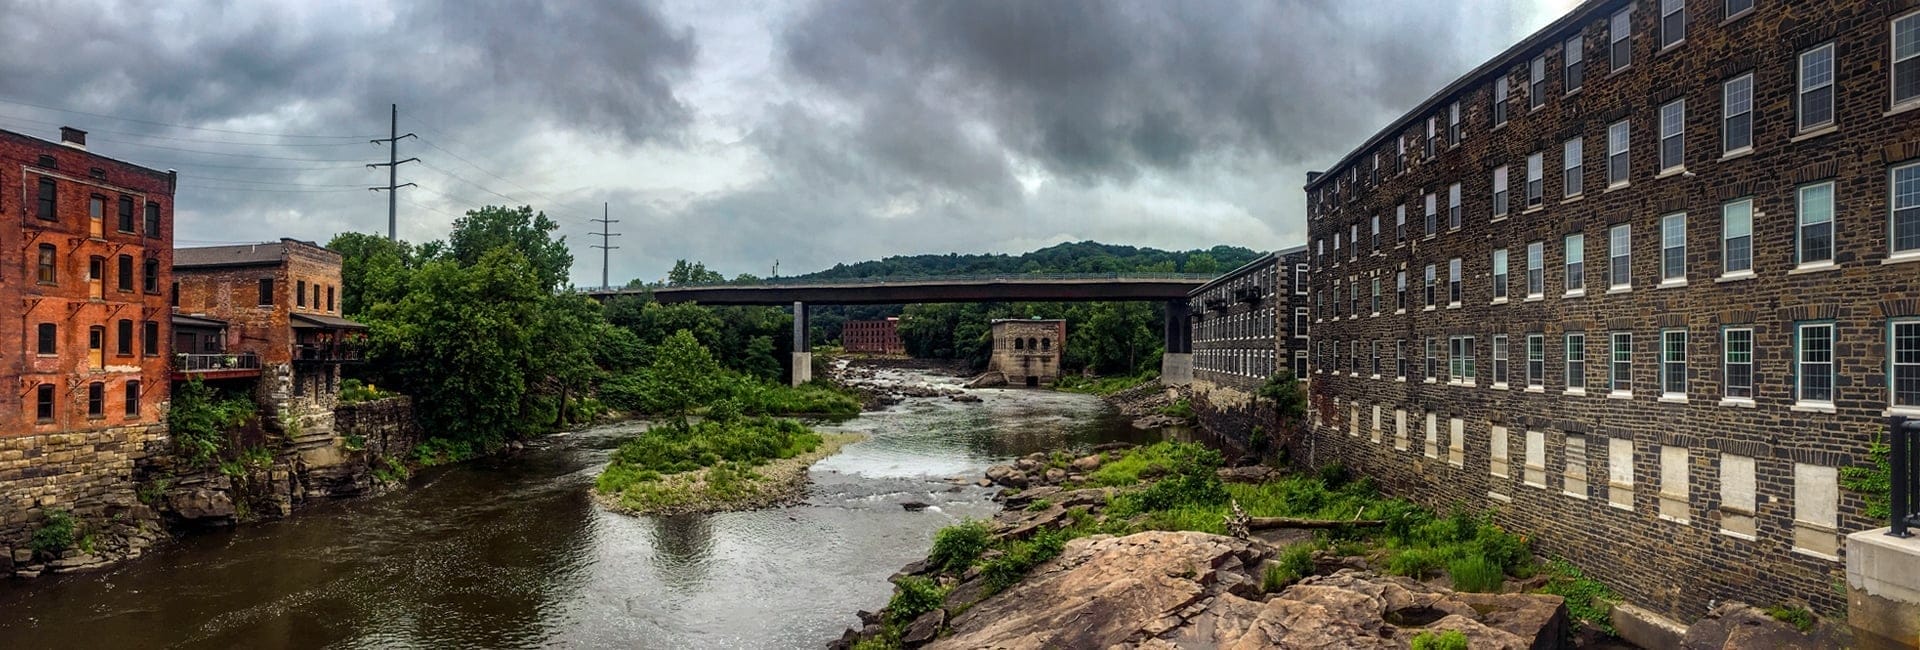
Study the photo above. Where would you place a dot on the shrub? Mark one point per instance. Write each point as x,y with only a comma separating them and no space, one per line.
1800,618
1413,562
956,547
354,391
55,535
1293,564
916,595
1588,600
1020,556
1476,573
740,443
201,422
1447,640
1182,409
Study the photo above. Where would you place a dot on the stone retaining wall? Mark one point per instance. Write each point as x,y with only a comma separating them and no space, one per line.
88,474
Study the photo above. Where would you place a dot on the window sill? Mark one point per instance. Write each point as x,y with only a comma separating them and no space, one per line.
1902,257
1909,411
1619,394
1453,305
1374,315
1675,171
1572,198
1672,283
1354,375
1669,47
1735,276
1536,389
1673,398
1497,218
1575,495
1399,311
1574,391
1373,376
1534,208
1400,379
1812,407
1816,267
1739,402
1575,293
1427,308
1499,385
1621,506
1534,298
1737,535
1618,186
1815,554
1428,236
1498,301
1429,380
1736,154
1677,520
1730,19
1829,129
1904,107
1614,290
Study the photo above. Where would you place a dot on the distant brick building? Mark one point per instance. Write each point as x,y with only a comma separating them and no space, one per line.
84,259
1642,284
278,301
872,336
1028,352
1247,325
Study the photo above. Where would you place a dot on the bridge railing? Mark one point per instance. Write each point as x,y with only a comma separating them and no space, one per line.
922,279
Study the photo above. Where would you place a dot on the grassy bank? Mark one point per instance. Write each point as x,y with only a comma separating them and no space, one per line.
722,463
1101,386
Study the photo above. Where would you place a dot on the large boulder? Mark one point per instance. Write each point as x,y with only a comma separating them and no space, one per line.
1185,589
200,504
1733,625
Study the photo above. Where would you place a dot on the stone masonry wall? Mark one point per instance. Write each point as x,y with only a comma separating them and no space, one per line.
87,474
1676,498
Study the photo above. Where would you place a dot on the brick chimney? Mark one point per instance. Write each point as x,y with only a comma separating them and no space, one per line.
73,137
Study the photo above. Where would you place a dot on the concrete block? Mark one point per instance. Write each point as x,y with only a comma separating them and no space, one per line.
1883,589
1645,628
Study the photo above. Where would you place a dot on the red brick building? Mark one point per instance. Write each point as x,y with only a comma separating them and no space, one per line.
279,303
84,262
872,336
1643,285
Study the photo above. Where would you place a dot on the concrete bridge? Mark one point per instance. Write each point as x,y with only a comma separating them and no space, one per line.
1176,366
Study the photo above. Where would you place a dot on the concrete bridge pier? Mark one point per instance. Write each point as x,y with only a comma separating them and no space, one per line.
802,347
1176,364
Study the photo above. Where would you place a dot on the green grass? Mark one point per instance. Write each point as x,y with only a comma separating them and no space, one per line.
673,449
1476,573
1293,564
1102,386
1448,640
956,547
1800,618
1182,409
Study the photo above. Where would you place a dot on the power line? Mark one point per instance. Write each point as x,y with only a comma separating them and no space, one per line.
133,134
179,126
393,169
222,153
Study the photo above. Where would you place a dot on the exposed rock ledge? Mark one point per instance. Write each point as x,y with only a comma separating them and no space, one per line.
1186,589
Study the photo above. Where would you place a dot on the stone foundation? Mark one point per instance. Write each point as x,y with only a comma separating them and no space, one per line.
88,474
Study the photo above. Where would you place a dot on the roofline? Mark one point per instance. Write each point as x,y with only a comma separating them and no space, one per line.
1579,14
1269,258
218,265
171,176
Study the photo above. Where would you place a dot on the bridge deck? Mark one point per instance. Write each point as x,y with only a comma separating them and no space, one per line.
1013,288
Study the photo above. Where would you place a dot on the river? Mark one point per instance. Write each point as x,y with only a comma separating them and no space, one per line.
511,553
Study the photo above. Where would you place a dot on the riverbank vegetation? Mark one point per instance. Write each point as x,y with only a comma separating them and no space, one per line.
724,462
1101,386
1177,487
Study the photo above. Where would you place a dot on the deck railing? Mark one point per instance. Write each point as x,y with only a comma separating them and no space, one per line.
215,362
1904,470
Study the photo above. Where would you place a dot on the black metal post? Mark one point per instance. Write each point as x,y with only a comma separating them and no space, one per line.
1901,463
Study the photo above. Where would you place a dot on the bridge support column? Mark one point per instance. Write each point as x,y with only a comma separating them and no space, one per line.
1176,364
802,347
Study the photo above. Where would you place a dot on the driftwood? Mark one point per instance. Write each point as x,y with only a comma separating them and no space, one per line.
1266,523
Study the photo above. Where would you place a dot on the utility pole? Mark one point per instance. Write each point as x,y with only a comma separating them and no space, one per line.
606,241
393,165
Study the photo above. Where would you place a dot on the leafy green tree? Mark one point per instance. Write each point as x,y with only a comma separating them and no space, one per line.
689,274
1202,263
521,229
682,376
563,365
373,269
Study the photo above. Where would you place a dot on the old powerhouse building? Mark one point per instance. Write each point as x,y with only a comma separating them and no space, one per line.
1247,325
1643,284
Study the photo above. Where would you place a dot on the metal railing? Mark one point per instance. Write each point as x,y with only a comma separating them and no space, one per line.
920,279
328,352
1904,462
214,362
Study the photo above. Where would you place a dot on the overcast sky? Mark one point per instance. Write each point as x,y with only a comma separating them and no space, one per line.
743,133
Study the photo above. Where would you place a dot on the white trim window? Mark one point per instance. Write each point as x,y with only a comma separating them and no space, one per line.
1432,135
1576,246
1400,223
1454,131
1576,361
1537,83
1673,135
1736,237
1500,102
1433,357
1353,241
1400,161
1903,206
1500,191
1736,114
1453,207
1813,244
1430,286
1536,185
1813,363
1619,142
1904,362
1574,69
1453,282
1400,290
1621,373
1673,249
1376,296
1673,364
1500,275
1499,361
1620,38
1300,279
1904,49
1433,214
1620,257
1375,238
1673,22
1460,366
1300,365
1736,344
1737,8
1814,101
1536,270
1300,322
1572,167
1400,359
1536,361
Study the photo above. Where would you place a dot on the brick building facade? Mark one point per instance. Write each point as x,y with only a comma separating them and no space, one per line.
1028,352
279,301
1642,284
84,260
872,336
1247,325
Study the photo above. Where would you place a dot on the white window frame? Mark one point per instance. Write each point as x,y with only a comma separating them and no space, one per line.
1911,198
1300,279
1453,207
1300,325
1400,291
1574,247
1536,362
1431,287
1399,223
1818,83
1670,35
1802,226
1620,364
1896,361
1736,223
1800,363
1575,371
1620,28
1536,180
1620,147
1673,135
1619,256
1536,270
1455,133
1537,83
1454,290
1500,354
1733,105
1499,275
1573,66
1501,203
1500,96
1573,168
1894,58
1433,214
1461,368
1673,237
1673,358
1732,393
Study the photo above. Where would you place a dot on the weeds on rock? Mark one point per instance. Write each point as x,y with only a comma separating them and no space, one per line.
1800,618
55,535
1446,640
1588,601
916,596
1293,564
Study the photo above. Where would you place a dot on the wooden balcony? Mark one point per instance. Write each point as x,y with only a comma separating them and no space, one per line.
218,365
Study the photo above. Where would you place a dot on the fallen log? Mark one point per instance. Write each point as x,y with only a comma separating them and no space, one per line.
1267,523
